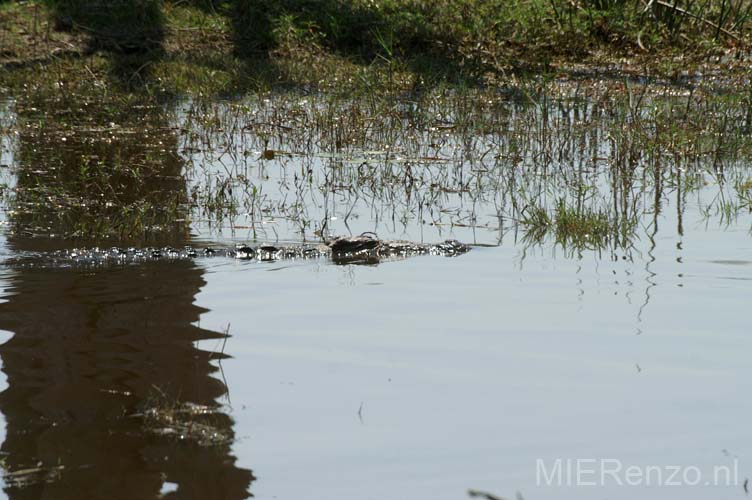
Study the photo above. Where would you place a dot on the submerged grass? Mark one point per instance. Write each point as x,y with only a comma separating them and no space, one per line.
577,164
367,111
471,159
572,227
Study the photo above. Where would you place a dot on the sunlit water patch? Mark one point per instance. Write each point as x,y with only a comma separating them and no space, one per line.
7,147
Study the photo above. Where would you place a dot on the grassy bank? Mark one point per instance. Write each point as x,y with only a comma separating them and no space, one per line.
228,47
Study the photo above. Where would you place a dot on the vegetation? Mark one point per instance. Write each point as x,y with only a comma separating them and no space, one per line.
210,46
447,113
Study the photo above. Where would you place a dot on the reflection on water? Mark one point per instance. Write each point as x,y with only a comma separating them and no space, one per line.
91,351
108,390
92,168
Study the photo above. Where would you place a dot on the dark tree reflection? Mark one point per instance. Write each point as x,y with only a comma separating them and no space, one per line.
102,362
91,352
96,166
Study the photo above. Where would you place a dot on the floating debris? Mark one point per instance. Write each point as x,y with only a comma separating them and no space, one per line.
185,422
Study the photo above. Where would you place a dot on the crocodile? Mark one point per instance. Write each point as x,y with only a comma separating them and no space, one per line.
363,249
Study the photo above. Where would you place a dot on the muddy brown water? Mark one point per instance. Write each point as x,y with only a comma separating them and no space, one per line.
418,378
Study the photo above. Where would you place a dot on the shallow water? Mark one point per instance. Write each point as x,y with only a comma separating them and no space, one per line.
419,378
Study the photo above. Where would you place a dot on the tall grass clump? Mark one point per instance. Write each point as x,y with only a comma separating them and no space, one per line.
571,226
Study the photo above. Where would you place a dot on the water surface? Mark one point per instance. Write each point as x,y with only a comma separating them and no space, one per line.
418,378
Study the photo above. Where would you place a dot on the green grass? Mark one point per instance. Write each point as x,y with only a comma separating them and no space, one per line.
571,226
209,47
